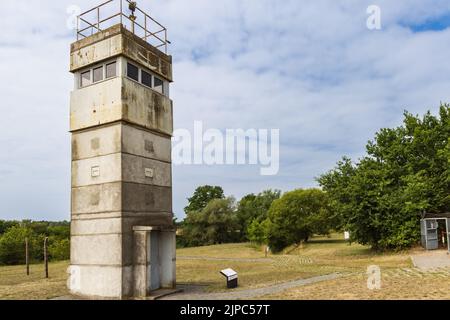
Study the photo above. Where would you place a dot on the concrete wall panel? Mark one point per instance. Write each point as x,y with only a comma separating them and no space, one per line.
105,169
96,52
98,142
145,107
146,144
96,105
100,249
96,226
146,171
97,198
97,281
117,40
146,198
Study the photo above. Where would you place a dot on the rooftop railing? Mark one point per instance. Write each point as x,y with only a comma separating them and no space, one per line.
129,15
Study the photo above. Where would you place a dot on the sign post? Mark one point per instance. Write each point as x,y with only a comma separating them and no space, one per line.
232,278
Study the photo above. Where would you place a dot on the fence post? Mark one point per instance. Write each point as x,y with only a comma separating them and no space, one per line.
27,259
46,257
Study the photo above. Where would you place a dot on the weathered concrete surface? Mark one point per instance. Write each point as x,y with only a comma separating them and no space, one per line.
95,143
146,108
105,197
145,198
121,167
120,137
98,249
146,144
121,197
117,41
103,281
96,226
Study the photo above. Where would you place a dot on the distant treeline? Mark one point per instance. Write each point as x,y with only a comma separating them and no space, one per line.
14,233
378,199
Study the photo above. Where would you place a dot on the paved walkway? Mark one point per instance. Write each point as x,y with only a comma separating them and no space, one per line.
252,293
432,260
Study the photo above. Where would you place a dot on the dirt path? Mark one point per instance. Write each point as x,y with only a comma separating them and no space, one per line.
225,259
252,293
431,260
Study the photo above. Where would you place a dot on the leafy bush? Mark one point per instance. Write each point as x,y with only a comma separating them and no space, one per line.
257,231
253,209
59,249
296,217
215,224
12,245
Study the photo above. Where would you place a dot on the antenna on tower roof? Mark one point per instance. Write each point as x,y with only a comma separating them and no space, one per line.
132,6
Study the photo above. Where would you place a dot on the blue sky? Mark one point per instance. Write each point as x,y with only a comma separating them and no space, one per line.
309,68
438,23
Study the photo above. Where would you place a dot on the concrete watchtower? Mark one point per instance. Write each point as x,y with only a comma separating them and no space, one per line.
121,120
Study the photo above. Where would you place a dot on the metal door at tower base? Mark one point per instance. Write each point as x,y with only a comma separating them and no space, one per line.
154,270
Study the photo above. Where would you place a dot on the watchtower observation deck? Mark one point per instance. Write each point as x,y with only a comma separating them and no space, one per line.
126,13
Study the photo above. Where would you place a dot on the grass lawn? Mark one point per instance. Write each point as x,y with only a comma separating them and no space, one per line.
319,257
15,284
201,266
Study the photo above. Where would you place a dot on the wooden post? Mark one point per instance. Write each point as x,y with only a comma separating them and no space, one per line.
27,260
46,257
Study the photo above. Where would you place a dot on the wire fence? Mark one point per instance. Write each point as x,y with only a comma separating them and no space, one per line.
31,258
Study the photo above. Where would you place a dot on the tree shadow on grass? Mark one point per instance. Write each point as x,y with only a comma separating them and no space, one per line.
327,241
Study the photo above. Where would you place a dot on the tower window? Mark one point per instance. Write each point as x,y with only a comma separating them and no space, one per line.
146,78
132,72
111,70
159,85
86,78
98,74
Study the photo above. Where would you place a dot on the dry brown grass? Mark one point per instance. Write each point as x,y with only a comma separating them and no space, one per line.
15,284
320,256
355,288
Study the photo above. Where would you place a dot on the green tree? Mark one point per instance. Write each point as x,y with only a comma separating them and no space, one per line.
5,225
59,249
12,245
202,196
257,231
405,172
60,231
215,224
296,216
12,242
254,207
